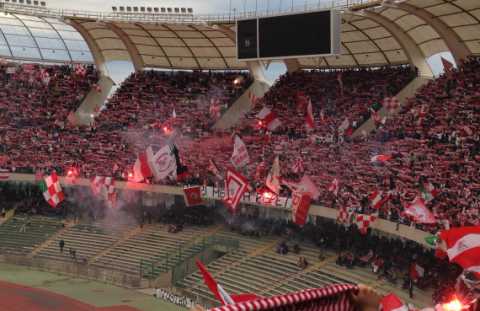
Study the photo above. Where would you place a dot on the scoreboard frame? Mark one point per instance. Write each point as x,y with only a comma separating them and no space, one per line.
335,40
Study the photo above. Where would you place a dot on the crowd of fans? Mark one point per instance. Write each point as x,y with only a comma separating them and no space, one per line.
433,141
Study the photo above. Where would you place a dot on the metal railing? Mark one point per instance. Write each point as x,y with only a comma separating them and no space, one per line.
227,17
151,269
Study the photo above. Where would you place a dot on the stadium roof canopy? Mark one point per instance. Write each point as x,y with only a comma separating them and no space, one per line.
41,39
374,32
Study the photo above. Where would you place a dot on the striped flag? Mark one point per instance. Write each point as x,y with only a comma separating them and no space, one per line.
268,119
333,297
419,212
463,246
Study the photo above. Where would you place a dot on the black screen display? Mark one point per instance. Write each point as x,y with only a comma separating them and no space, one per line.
294,35
247,39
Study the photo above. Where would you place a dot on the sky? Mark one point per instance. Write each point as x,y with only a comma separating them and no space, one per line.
119,71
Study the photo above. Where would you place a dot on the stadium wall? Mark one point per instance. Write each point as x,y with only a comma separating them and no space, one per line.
282,207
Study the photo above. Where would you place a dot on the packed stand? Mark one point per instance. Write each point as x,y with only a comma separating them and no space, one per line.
435,140
35,104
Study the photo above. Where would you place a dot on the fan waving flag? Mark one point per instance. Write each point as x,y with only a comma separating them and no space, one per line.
268,119
163,163
218,291
141,168
300,207
273,178
240,156
52,191
105,186
377,199
235,186
463,246
419,212
333,297
192,196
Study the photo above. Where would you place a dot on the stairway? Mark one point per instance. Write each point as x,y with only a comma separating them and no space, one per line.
241,106
407,92
93,101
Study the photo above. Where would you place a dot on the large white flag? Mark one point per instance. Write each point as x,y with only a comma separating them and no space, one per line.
240,156
163,163
273,178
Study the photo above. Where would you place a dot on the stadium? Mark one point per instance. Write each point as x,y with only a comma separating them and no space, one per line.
240,155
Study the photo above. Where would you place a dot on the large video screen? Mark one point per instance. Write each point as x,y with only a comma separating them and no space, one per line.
285,36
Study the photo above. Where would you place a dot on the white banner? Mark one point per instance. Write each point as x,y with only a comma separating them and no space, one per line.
216,193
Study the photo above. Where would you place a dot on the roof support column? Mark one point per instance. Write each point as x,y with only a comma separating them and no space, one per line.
454,43
413,52
98,57
131,48
292,65
257,71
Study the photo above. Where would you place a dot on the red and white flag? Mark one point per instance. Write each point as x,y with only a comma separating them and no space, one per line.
300,207
240,156
163,163
298,166
52,191
268,119
309,119
218,290
419,212
463,246
306,185
363,222
274,177
192,196
381,158
334,187
235,186
104,186
391,302
377,199
141,168
416,271
213,168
